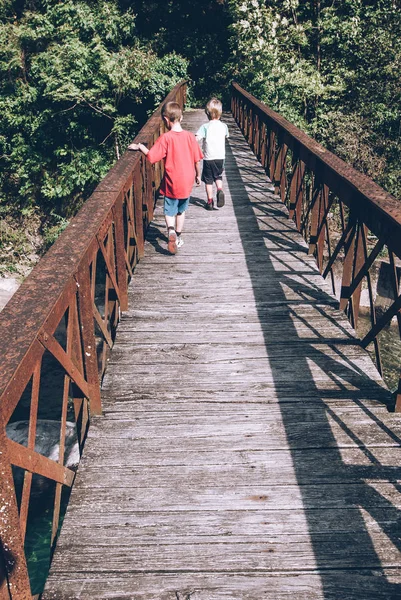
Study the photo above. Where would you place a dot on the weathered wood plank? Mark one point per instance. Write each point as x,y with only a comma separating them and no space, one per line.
141,353
230,526
366,584
320,320
153,413
197,556
268,427
370,496
273,468
306,375
129,399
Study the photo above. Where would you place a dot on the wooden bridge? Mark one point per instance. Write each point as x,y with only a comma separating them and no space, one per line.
243,445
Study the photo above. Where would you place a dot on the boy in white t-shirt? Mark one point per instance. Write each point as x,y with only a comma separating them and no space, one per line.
213,134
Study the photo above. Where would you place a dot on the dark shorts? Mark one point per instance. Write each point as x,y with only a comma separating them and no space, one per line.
212,170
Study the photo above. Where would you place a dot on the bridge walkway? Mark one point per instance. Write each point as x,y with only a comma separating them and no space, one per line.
245,450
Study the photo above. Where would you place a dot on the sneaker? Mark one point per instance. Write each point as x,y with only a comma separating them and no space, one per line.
209,206
172,242
180,241
220,198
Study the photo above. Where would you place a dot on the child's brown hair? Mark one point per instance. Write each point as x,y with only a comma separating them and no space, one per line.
172,111
214,108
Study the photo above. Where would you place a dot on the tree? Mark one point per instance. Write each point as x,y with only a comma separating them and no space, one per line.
196,30
330,66
76,83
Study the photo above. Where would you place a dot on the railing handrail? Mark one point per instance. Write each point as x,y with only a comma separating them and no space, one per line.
28,309
341,177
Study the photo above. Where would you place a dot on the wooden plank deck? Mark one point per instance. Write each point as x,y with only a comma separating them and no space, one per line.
245,450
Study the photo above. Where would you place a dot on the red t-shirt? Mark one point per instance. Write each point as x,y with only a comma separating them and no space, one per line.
180,152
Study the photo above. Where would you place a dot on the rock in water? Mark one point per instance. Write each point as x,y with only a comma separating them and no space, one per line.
48,439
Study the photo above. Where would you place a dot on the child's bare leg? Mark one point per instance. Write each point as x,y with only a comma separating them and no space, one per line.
180,223
170,222
220,193
209,194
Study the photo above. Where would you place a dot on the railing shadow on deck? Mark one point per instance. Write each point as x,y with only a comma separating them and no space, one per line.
345,552
347,220
55,337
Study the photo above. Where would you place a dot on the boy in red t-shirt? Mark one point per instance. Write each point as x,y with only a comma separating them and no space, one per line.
181,154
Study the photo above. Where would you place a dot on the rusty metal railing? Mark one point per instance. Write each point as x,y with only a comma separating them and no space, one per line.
65,316
323,194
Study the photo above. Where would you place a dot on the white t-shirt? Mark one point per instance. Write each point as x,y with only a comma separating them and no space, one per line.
213,134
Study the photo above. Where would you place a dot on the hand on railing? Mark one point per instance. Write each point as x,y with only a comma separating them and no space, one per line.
140,147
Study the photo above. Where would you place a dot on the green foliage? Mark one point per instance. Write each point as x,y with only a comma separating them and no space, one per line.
19,240
276,53
52,229
196,30
76,83
166,72
332,68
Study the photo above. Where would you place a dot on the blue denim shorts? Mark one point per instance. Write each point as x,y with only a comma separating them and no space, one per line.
175,206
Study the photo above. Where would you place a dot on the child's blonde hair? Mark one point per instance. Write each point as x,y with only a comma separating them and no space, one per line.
214,108
172,110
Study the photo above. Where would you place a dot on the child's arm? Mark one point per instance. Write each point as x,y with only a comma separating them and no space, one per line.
140,147
197,173
201,133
